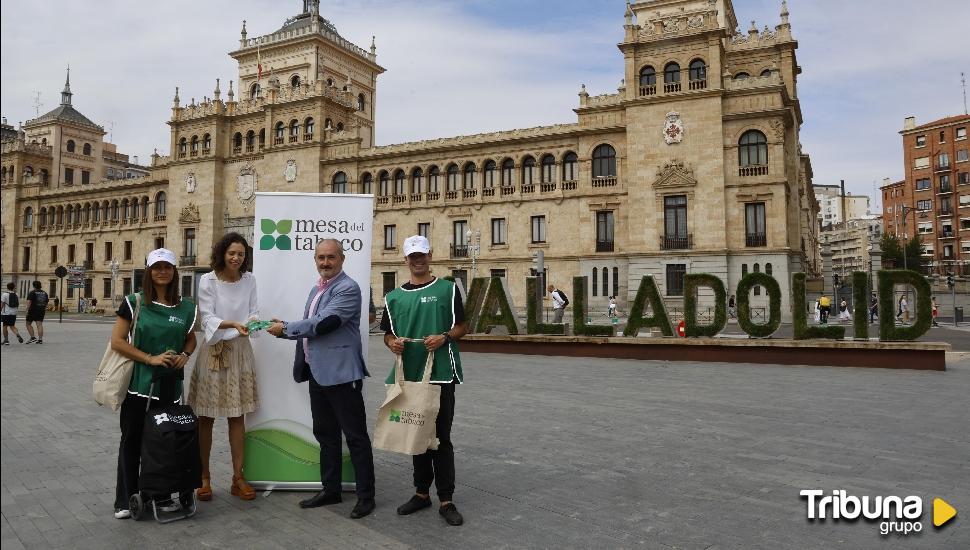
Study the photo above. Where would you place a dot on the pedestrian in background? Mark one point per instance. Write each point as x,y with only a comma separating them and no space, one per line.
936,311
36,309
733,308
873,308
559,303
8,316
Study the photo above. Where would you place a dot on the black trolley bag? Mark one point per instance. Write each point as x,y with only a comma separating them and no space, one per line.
170,461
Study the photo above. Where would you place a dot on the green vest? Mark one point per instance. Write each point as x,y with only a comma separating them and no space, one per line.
423,312
160,328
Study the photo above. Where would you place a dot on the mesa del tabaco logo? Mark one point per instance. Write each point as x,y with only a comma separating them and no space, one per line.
305,234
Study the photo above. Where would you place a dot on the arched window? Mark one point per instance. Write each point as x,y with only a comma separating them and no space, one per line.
417,181
114,210
237,142
28,171
604,161
753,149
294,129
70,146
44,176
489,174
361,102
4,173
757,288
28,218
87,213
697,70
279,133
308,129
295,81
399,182
340,182
548,168
183,146
42,218
469,180
195,145
616,282
250,141
672,73
95,213
86,149
508,168
134,209
105,211
125,210
606,282
741,76
70,215
340,126
768,269
144,208
528,171
766,72
160,205
59,220
262,138
594,285
328,124
206,142
254,91
383,183
452,177
648,76
434,175
367,183
570,171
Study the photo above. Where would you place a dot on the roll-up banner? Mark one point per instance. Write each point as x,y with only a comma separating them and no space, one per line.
281,452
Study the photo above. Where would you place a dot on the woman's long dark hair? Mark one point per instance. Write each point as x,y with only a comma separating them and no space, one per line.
218,261
171,293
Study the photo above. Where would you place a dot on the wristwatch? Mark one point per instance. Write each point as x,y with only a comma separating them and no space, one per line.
448,339
185,353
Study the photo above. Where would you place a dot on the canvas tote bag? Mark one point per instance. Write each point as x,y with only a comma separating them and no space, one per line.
406,420
114,373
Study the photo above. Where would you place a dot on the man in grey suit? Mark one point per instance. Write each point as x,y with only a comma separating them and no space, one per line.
328,355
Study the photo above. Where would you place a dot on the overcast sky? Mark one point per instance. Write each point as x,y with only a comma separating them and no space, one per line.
463,67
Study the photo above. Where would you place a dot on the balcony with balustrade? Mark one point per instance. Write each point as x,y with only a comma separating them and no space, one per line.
677,242
755,239
459,251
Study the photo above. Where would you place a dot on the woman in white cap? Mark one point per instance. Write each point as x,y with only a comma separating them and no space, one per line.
161,341
224,378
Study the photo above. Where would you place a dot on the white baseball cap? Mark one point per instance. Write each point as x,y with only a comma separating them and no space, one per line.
416,243
161,255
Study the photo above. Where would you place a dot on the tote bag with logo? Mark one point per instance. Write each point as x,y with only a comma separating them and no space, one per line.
406,420
114,373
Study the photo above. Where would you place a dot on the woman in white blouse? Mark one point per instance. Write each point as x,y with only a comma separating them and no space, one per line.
224,378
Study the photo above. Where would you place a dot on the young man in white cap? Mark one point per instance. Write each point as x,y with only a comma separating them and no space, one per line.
426,315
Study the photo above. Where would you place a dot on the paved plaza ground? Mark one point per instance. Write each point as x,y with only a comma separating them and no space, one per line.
551,453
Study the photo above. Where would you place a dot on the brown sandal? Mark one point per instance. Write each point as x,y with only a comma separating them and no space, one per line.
242,489
204,493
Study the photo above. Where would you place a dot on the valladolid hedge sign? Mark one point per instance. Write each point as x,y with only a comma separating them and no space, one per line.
489,304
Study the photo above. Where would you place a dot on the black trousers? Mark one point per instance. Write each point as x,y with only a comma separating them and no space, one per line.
438,466
339,409
129,450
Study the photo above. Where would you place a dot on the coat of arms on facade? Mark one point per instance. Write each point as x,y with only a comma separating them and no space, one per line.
190,214
673,128
246,183
289,172
190,183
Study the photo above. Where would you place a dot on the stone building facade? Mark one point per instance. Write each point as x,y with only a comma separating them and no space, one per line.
693,165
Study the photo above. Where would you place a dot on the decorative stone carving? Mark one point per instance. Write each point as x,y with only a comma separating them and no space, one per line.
289,171
246,183
675,173
190,183
778,128
695,21
673,128
190,214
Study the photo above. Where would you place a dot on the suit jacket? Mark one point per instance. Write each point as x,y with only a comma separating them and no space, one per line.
335,357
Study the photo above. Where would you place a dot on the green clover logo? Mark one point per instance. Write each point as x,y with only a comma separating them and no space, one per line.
395,416
270,228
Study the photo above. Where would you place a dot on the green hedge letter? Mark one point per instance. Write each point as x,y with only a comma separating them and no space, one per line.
691,283
860,305
533,322
648,291
580,328
799,313
743,291
497,308
887,304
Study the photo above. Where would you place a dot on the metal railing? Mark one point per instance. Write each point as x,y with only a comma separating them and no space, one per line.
674,242
459,251
755,239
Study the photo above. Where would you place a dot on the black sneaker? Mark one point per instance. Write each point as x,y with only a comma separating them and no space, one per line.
40,341
416,503
20,339
451,514
5,343
31,341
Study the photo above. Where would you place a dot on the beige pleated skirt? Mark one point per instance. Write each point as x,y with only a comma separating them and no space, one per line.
224,380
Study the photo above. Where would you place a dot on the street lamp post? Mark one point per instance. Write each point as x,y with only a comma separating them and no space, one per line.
114,277
906,210
474,248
